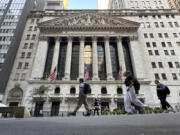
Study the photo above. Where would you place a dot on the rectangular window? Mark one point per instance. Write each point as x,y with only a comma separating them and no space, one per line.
151,35
166,52
157,76
145,35
22,54
30,28
169,44
29,55
148,44
170,64
160,35
177,64
150,52
153,64
35,28
23,76
25,46
156,24
32,21
33,37
160,64
170,24
174,76
176,24
26,65
28,37
162,24
19,65
164,76
148,25
172,52
156,52
166,35
178,44
163,44
175,35
31,45
154,44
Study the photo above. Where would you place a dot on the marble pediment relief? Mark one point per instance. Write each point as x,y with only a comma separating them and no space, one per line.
89,20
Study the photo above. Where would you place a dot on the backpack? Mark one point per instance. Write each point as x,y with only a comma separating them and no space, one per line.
167,90
86,88
136,85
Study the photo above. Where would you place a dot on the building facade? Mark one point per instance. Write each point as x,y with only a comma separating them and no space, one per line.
174,4
138,4
100,42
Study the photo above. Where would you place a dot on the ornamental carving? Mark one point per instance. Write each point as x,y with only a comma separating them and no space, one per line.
88,20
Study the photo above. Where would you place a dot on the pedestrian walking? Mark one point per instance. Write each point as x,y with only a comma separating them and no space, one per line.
82,99
162,92
130,95
96,107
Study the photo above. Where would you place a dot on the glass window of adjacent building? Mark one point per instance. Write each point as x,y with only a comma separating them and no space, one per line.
174,76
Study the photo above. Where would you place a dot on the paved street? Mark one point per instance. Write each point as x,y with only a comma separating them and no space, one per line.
153,124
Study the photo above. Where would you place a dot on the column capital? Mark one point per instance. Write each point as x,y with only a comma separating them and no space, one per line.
119,38
58,38
81,38
70,38
106,37
94,38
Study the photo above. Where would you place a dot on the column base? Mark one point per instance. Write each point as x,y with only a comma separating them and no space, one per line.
66,78
110,78
96,78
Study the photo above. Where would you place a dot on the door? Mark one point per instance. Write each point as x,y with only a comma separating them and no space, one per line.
55,108
39,109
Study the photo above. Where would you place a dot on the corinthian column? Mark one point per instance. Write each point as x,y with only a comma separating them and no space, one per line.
81,58
121,54
108,60
56,54
68,59
95,59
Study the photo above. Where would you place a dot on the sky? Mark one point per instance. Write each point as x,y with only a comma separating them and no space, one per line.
82,4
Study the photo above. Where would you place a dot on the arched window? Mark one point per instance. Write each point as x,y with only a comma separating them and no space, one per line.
57,90
104,90
73,90
119,90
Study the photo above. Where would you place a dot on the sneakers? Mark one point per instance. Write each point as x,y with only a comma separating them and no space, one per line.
88,114
170,109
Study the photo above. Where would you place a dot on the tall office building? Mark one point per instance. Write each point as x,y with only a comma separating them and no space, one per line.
174,3
103,4
138,4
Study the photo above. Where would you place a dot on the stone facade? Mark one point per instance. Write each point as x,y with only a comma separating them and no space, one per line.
151,39
174,4
137,4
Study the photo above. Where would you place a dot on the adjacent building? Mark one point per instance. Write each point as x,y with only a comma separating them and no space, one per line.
103,4
13,17
174,4
138,4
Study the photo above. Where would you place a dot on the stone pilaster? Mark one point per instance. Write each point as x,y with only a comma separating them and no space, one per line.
81,58
121,54
95,59
56,54
108,60
40,58
68,59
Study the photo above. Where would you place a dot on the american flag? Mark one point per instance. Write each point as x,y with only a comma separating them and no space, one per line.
86,76
53,75
120,74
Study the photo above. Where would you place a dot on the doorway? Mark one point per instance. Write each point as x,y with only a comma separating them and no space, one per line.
39,109
104,106
13,104
55,108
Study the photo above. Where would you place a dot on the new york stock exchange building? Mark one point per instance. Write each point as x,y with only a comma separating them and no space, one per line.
100,42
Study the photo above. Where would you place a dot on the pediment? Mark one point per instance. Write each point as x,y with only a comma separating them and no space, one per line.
88,20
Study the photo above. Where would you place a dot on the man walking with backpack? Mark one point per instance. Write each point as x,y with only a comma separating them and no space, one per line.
83,88
162,92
